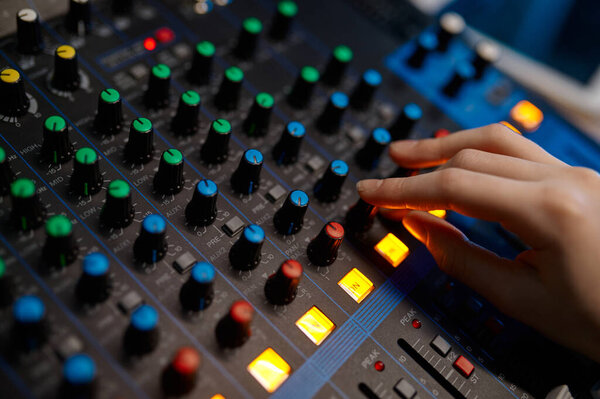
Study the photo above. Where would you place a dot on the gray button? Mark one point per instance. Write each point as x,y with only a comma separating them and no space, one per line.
315,163
404,389
276,193
233,226
184,262
130,301
440,345
69,346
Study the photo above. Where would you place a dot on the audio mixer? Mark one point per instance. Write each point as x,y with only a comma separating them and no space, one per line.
178,213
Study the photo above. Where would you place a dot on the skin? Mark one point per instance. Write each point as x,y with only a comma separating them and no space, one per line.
495,174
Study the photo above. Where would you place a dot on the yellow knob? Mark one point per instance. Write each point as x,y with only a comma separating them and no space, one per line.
66,52
10,75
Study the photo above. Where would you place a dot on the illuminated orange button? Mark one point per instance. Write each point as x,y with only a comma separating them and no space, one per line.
392,249
527,115
269,369
217,396
441,213
315,325
356,284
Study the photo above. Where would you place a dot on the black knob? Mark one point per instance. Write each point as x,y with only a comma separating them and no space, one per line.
109,118
117,211
281,286
159,83
169,178
282,20
246,178
425,43
248,38
216,147
30,328
323,249
86,178
60,248
363,93
303,88
66,69
140,146
257,122
331,118
464,71
401,129
142,334
29,32
151,244
337,65
202,63
95,284
181,375
287,148
486,53
122,6
228,96
202,209
79,377
329,186
368,156
290,217
185,121
7,286
27,211
451,25
245,253
7,176
78,20
360,216
13,99
233,330
197,292
56,144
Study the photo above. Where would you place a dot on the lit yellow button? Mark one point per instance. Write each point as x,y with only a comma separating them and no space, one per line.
392,249
511,127
356,284
10,75
527,115
65,51
217,396
315,325
441,213
269,369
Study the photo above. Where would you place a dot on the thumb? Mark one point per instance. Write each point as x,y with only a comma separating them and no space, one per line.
501,281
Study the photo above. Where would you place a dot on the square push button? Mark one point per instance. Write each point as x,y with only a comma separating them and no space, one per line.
269,369
463,366
392,249
356,285
315,325
404,389
440,345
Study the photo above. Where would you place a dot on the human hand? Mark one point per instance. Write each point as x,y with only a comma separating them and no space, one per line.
495,174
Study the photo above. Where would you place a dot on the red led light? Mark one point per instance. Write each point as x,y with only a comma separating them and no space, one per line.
149,43
441,133
164,35
379,366
416,323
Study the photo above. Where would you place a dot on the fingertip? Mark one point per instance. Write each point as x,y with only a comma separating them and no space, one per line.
368,186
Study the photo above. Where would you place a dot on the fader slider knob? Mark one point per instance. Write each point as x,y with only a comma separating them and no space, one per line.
233,330
425,43
464,72
451,25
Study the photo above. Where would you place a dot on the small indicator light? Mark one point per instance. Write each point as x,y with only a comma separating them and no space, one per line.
392,249
356,285
164,35
441,213
149,43
441,133
315,325
527,115
269,369
379,366
416,323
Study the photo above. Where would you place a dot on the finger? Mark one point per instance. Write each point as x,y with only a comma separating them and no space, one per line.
495,138
499,165
511,287
393,214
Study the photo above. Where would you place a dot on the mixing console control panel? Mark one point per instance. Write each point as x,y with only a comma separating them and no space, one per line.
178,215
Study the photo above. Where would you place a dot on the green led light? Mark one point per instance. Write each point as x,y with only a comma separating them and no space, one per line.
172,156
55,123
190,97
221,126
110,96
342,53
2,155
234,74
161,71
310,74
58,226
253,25
86,156
118,189
265,100
2,268
287,8
22,188
142,125
205,48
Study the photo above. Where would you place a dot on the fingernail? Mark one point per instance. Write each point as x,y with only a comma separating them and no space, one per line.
365,186
401,144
